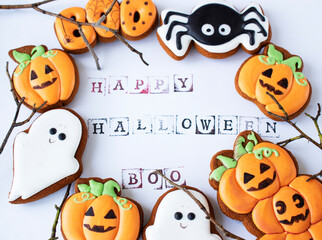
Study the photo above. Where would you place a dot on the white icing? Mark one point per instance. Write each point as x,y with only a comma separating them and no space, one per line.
167,227
41,159
186,40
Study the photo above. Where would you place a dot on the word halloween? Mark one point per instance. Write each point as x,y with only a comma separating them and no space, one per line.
182,124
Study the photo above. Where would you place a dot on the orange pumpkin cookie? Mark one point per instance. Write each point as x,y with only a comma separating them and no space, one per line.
44,76
138,18
97,211
95,9
279,73
68,33
258,184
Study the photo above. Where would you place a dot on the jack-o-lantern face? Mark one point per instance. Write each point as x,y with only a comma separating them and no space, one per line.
101,219
97,213
257,177
44,76
291,210
278,73
276,80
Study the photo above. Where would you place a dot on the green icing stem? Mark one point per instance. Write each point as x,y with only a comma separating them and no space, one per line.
253,138
266,151
37,52
217,173
85,197
96,187
121,202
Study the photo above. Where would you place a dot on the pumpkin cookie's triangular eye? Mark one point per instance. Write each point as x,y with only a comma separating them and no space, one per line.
110,215
48,69
90,212
248,177
268,73
264,167
33,75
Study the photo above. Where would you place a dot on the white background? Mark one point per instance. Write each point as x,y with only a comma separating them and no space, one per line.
296,25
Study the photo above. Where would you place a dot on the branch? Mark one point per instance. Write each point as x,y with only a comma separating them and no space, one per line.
19,104
53,230
97,24
287,119
201,206
284,143
315,176
315,120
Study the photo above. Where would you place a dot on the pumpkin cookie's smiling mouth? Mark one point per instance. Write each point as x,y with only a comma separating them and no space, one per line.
45,84
270,88
296,218
99,229
263,184
184,227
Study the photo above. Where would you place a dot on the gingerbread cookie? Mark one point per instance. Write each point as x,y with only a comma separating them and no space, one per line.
68,33
95,9
138,18
216,28
278,72
258,184
47,156
44,76
176,216
97,211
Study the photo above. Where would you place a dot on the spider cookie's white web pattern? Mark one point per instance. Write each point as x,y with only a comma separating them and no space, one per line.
215,26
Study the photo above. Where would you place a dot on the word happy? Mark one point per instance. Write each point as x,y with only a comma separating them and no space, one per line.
141,85
181,124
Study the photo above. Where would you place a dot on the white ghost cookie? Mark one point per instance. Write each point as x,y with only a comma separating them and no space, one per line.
176,216
47,156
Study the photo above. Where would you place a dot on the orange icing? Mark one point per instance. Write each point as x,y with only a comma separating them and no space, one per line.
129,226
312,193
68,34
284,164
316,230
95,9
293,98
285,195
37,86
233,196
72,216
279,236
269,223
137,16
302,236
249,164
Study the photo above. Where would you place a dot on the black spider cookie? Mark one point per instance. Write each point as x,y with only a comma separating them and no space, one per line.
216,28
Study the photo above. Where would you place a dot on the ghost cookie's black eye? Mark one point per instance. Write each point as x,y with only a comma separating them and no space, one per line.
224,29
62,136
191,216
178,215
52,131
207,29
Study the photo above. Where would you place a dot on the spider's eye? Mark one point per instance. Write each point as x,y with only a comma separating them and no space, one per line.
224,29
207,29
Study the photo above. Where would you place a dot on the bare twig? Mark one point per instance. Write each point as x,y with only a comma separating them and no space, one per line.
287,119
319,174
202,207
315,120
284,143
58,209
97,24
19,104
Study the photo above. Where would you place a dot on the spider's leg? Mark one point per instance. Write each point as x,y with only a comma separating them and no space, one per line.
171,13
251,35
253,10
253,20
170,29
178,40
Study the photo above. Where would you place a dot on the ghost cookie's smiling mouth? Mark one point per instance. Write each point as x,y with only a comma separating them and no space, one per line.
184,227
51,141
